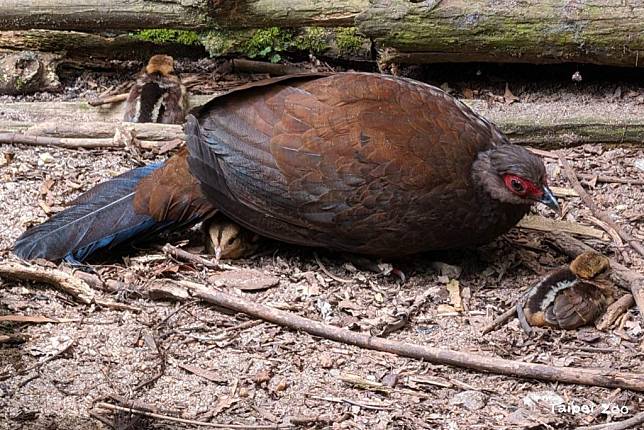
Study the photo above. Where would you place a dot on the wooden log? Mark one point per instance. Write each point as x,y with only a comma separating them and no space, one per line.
95,15
27,72
547,129
91,49
533,31
607,32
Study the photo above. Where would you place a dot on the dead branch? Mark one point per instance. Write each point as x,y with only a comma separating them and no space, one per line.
131,410
632,422
275,69
70,143
588,201
183,255
70,284
611,179
595,377
500,320
108,100
13,338
627,278
615,311
535,222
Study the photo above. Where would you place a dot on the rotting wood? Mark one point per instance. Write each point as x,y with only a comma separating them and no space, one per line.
596,377
536,222
65,281
90,50
614,311
609,128
602,32
27,72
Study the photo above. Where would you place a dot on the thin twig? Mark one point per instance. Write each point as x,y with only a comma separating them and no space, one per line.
111,407
328,273
632,422
108,100
183,255
588,201
611,179
584,376
500,320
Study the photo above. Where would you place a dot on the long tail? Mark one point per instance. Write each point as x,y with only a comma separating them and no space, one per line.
127,208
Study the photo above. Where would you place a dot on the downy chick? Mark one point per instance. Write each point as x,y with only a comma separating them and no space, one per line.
227,240
158,95
571,296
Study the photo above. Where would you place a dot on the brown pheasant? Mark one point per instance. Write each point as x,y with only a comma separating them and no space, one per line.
356,162
570,296
158,94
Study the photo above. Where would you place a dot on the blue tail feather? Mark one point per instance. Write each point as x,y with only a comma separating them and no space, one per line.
102,218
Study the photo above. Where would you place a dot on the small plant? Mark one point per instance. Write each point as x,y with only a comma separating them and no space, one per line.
184,37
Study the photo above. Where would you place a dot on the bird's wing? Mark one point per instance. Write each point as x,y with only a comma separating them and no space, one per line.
304,156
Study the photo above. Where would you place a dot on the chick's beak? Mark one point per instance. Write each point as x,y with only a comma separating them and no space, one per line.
549,200
217,253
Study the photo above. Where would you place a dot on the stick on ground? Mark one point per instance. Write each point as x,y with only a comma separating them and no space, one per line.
65,281
588,201
596,377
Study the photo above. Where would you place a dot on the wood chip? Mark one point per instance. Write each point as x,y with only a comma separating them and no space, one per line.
244,279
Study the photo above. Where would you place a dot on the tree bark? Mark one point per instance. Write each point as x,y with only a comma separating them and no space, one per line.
607,32
28,72
533,124
531,31
85,48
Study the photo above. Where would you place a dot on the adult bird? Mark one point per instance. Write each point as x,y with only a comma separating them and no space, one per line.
158,94
356,162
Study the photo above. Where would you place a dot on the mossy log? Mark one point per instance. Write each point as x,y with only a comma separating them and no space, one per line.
533,124
607,32
92,49
27,72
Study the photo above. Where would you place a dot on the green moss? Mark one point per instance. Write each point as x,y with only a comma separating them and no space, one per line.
312,39
19,83
348,40
183,37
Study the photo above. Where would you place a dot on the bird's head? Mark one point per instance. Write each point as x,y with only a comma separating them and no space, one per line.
162,64
227,240
512,174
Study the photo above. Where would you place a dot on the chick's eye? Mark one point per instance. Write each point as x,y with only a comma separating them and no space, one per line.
231,240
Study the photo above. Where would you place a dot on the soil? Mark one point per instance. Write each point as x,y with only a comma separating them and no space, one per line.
196,362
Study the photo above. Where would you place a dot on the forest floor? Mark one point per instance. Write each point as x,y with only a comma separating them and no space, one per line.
196,362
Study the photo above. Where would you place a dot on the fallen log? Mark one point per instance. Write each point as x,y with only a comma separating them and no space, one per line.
92,50
547,128
553,31
28,72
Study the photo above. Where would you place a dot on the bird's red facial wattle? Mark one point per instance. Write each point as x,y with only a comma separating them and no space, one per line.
527,189
522,187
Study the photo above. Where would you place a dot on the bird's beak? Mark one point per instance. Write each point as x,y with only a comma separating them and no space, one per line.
217,253
549,200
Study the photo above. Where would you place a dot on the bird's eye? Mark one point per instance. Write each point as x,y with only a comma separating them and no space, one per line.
517,186
231,240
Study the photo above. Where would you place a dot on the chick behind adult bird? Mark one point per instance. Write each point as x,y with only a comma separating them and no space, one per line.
158,94
355,162
227,239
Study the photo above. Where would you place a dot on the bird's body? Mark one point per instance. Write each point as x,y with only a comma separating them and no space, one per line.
570,296
158,94
356,162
